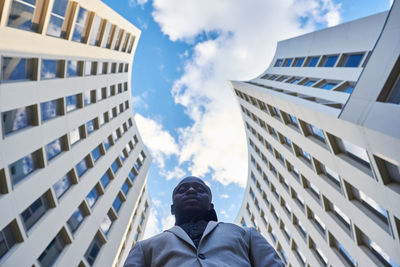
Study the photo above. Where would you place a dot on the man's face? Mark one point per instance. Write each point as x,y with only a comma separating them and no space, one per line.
190,196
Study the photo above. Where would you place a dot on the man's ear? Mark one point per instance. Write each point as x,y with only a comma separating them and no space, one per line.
172,209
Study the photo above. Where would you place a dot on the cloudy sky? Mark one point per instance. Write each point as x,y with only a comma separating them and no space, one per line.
184,107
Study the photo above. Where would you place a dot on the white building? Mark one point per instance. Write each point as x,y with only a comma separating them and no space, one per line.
323,131
73,167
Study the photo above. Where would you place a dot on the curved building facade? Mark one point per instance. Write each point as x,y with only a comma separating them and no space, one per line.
73,167
323,140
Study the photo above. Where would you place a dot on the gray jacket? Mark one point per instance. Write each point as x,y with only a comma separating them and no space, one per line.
222,244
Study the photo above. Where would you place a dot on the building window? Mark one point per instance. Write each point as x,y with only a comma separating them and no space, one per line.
343,252
333,176
96,153
293,80
346,87
21,15
309,83
322,258
92,196
355,152
55,148
105,179
288,62
18,69
391,90
51,109
21,168
328,85
278,62
115,166
74,68
316,132
57,18
82,167
117,203
329,61
107,142
8,238
132,174
389,171
298,61
132,42
17,119
93,250
107,36
75,135
51,69
95,34
312,61
80,23
117,38
76,219
371,205
105,225
304,154
35,211
125,188
90,126
341,216
54,249
71,102
62,185
352,60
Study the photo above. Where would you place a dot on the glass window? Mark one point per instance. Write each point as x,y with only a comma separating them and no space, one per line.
341,216
372,205
74,68
17,69
71,102
132,175
21,15
105,179
117,204
24,166
115,166
57,19
309,83
35,211
51,109
394,93
17,119
381,254
107,143
294,80
89,97
124,41
94,36
352,60
51,69
346,255
80,25
329,61
105,225
333,176
92,197
53,250
355,152
93,250
62,185
125,188
288,62
96,154
7,238
107,37
54,148
82,167
278,62
347,88
298,62
117,37
131,42
312,61
75,135
317,132
305,155
328,85
90,127
321,256
76,219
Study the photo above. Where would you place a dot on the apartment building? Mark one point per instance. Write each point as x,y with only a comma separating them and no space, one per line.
323,134
73,167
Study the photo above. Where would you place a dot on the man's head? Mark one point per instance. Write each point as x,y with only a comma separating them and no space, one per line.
190,197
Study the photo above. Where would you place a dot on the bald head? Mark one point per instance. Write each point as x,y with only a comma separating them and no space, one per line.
192,179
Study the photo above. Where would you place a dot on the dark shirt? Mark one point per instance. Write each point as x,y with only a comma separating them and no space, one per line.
195,230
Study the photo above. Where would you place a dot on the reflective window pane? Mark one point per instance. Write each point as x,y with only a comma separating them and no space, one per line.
75,136
330,61
80,25
298,62
35,211
74,68
105,225
82,167
54,148
90,127
7,238
312,62
117,204
51,109
62,185
71,102
75,220
55,27
16,69
53,250
92,197
24,166
21,15
328,85
59,7
93,250
125,188
105,180
51,69
353,60
17,119
106,40
96,154
95,31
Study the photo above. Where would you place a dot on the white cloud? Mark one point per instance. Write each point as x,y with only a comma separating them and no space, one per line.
224,213
224,196
175,173
160,143
152,226
244,40
139,101
134,3
167,222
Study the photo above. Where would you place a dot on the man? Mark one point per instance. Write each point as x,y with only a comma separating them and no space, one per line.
197,239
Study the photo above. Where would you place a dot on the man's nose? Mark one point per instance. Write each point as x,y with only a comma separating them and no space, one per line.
191,190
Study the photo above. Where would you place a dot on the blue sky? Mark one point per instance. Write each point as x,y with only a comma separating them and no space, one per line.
183,104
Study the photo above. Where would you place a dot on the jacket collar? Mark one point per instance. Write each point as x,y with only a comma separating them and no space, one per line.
179,232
